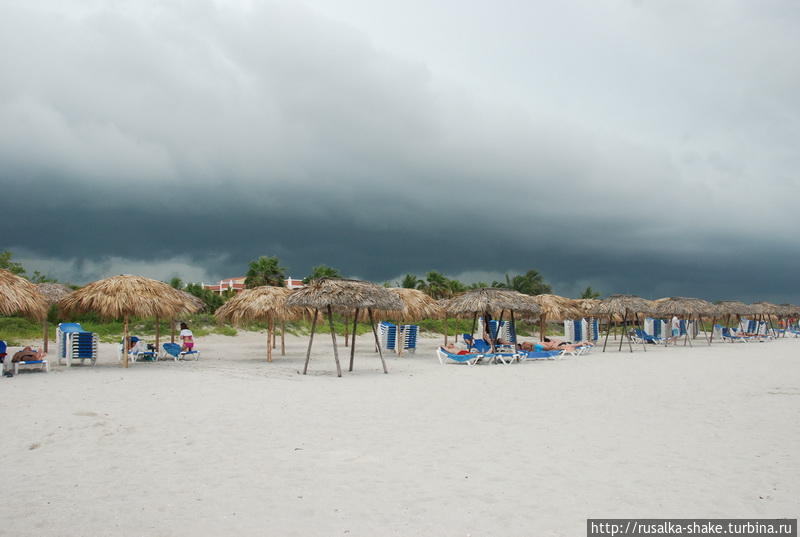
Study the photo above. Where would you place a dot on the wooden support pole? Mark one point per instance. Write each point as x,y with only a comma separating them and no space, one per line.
310,341
270,337
283,337
158,334
346,330
608,331
172,328
375,333
445,330
353,343
542,322
45,335
687,339
125,342
333,338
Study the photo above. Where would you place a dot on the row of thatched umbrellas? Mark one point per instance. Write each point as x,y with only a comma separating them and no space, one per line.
134,296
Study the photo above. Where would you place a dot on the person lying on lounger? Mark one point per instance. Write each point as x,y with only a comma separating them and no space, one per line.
551,345
452,349
28,354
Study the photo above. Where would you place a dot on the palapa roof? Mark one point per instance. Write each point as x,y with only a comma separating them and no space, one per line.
344,294
734,307
18,296
586,305
258,304
767,308
122,295
53,292
194,302
678,305
491,299
620,304
557,308
416,305
789,309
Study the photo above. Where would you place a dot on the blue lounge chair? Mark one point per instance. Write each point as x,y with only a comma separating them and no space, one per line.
469,359
640,336
137,356
43,364
539,355
728,335
173,350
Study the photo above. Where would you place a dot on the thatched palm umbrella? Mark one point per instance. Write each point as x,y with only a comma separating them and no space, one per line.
729,308
330,293
491,299
625,305
18,296
266,303
126,296
688,308
52,292
768,309
554,308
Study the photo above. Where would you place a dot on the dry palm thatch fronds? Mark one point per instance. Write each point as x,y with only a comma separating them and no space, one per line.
340,294
194,304
491,299
53,292
789,310
682,307
622,305
416,306
557,308
734,307
766,308
586,305
19,296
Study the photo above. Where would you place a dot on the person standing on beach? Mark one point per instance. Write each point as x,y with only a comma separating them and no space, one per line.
187,338
676,327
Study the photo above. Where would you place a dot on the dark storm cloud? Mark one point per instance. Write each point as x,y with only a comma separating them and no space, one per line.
189,138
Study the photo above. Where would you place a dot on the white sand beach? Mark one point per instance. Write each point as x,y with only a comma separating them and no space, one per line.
233,445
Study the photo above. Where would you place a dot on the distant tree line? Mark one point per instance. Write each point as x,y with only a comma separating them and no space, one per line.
267,270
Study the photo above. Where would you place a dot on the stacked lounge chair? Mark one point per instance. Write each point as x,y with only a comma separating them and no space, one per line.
74,343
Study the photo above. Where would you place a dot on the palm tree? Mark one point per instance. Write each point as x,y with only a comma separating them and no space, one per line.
435,285
530,283
322,271
410,281
265,271
590,293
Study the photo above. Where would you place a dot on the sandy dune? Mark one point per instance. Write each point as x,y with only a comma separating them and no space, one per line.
232,445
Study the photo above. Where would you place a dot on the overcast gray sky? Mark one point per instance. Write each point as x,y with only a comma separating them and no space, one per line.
648,147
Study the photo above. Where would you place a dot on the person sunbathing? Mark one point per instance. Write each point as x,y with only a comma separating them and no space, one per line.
28,354
552,345
452,349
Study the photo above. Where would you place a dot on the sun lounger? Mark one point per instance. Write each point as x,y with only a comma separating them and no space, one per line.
640,336
9,365
469,359
136,355
730,336
173,350
539,355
